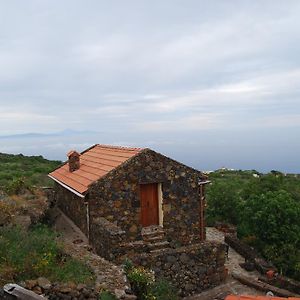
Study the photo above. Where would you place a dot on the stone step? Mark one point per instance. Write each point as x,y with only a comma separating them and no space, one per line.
154,238
152,231
158,245
158,250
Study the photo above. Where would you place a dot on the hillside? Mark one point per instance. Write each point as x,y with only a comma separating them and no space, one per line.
32,169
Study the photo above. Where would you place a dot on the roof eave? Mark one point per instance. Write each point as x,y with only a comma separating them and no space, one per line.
66,186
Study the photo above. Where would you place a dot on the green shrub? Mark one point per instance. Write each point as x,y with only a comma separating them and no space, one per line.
163,290
127,265
140,280
144,285
17,186
6,212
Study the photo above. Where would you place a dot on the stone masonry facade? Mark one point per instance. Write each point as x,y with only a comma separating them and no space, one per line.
116,197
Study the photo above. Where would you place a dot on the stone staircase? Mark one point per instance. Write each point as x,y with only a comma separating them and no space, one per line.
154,238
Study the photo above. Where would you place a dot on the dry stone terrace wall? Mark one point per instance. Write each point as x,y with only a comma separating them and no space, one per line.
116,197
191,269
72,205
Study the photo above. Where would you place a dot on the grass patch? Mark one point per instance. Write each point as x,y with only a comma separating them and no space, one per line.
105,295
35,253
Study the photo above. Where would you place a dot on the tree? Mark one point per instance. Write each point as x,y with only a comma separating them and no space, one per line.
223,202
274,219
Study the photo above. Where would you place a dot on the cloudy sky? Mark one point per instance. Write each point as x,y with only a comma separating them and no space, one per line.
209,83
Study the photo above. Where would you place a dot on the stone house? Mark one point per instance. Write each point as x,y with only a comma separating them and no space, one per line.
137,203
132,188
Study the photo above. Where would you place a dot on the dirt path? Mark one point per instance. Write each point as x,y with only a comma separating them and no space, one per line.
108,275
234,259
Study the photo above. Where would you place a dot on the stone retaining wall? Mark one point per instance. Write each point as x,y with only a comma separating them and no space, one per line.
105,237
191,269
113,244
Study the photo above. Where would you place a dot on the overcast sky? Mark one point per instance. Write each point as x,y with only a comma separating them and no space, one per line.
210,83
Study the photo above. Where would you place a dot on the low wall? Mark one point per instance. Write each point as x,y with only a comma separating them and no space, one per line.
191,269
106,237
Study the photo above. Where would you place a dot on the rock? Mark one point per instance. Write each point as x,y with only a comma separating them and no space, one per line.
171,259
119,293
44,283
65,289
129,297
71,285
184,258
133,229
189,287
117,204
80,286
86,292
38,290
30,284
101,286
14,291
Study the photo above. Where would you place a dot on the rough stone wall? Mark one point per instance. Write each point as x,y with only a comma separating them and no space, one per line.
116,197
72,205
191,269
106,237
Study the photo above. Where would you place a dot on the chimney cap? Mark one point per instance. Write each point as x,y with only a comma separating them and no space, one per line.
72,152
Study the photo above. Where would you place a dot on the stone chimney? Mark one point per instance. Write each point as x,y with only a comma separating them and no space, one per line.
74,160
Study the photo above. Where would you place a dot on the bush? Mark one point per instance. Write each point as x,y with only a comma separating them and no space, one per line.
28,255
141,280
144,285
17,186
163,290
6,212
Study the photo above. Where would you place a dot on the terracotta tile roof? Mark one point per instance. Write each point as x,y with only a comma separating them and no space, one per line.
95,162
232,297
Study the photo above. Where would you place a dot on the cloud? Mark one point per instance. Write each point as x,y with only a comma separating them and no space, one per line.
189,123
280,121
142,71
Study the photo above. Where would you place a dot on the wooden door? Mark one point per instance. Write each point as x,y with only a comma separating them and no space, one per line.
149,204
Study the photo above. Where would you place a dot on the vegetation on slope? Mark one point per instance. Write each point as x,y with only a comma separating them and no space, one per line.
266,210
34,253
29,170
